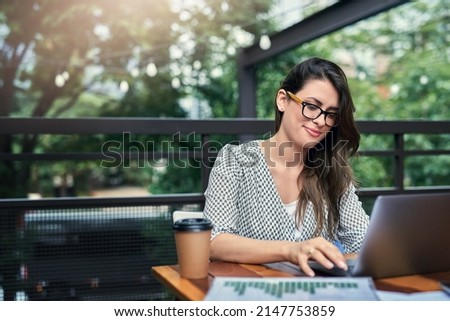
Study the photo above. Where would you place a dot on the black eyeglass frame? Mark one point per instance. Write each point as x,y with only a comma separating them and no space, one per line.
304,104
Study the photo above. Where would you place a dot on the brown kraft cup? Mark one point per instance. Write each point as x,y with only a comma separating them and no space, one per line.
192,237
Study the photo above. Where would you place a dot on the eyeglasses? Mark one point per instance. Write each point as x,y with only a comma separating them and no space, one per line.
312,111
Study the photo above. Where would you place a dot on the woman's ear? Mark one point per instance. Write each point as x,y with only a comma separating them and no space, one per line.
281,100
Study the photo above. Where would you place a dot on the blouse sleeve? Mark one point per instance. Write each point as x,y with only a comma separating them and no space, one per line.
353,222
221,193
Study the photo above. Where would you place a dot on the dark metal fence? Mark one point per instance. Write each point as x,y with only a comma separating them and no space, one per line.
89,249
103,248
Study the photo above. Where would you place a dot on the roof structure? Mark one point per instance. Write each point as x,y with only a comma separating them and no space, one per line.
332,18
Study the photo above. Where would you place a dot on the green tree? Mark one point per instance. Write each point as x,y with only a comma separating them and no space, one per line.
103,58
52,53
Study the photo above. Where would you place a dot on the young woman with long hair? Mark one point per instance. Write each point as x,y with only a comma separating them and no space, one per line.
293,196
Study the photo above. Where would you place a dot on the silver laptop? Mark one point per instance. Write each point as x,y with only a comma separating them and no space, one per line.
408,234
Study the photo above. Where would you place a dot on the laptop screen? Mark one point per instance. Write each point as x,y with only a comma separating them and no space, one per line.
408,234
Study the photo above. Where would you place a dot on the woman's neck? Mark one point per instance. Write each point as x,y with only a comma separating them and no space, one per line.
285,165
280,150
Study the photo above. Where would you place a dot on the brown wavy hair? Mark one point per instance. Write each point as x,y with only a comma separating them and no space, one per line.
326,174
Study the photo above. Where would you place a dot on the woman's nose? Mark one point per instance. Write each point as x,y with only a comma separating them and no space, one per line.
320,120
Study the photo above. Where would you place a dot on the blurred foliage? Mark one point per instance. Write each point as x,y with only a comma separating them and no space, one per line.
373,171
397,63
108,59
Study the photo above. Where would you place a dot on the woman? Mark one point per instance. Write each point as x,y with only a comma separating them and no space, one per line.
290,197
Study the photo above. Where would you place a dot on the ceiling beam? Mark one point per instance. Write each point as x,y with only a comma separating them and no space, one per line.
337,16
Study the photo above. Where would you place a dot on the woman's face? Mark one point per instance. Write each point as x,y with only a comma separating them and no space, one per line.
303,132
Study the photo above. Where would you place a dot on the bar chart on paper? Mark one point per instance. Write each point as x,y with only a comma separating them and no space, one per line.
290,289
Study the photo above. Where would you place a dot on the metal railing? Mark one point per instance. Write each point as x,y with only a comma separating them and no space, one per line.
244,128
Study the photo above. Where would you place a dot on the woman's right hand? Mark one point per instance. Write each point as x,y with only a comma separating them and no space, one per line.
318,249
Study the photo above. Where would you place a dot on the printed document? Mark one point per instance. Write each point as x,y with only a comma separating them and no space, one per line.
292,289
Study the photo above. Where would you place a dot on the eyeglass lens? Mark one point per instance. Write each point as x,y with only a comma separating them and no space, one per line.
313,112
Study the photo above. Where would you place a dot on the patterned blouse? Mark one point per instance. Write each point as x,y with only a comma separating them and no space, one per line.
242,199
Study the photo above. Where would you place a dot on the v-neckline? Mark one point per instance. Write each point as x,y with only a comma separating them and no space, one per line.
271,178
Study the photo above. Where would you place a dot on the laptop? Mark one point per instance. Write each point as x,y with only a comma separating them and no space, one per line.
407,234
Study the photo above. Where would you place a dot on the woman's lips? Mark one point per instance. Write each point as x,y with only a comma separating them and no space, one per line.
313,132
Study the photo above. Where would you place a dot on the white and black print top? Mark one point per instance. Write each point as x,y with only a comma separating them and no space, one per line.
242,199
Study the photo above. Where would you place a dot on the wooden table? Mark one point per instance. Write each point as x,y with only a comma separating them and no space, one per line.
195,290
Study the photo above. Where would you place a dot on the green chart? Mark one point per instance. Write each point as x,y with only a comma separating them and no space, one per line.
277,289
319,288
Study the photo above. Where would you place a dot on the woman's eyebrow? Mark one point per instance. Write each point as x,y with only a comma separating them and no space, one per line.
317,101
320,104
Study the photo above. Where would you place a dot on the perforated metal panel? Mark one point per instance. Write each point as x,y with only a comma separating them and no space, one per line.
88,253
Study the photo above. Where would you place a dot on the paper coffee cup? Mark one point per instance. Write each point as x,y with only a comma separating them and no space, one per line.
192,238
